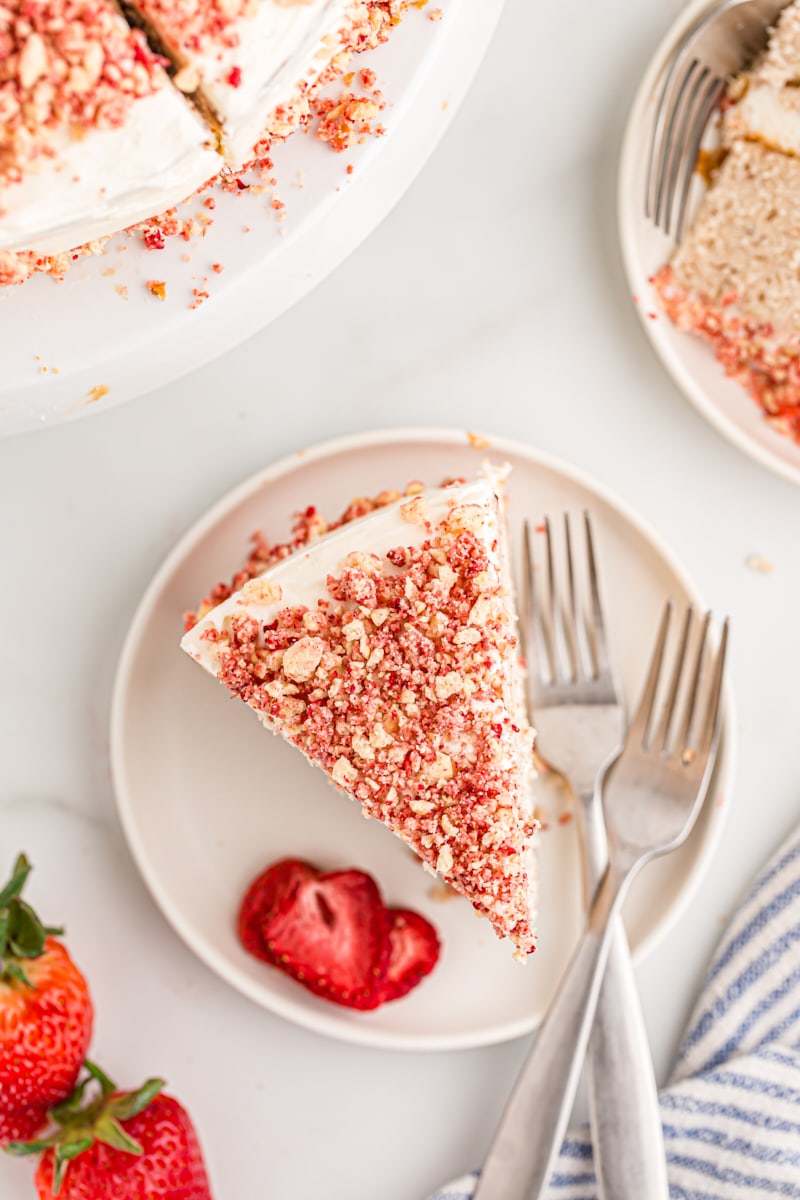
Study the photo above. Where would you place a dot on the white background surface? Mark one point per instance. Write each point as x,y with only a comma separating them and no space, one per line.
491,298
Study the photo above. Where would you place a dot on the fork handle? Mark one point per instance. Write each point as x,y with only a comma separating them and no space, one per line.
532,1127
629,1157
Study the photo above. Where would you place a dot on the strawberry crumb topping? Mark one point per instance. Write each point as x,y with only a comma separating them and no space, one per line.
196,24
349,118
750,351
308,526
398,686
65,63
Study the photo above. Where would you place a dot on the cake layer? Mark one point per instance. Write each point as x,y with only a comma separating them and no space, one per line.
386,651
743,247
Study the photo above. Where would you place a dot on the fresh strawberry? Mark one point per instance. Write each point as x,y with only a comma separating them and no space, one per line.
46,1014
264,894
331,934
414,953
116,1145
21,1124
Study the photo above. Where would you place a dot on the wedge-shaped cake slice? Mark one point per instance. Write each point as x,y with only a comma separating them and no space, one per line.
734,279
387,652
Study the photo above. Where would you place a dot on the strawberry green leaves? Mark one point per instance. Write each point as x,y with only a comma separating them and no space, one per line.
93,1113
22,934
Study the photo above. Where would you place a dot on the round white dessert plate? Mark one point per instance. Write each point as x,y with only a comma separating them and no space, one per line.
645,249
101,337
208,798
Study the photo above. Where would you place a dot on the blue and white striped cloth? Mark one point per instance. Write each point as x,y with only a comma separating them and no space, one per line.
731,1111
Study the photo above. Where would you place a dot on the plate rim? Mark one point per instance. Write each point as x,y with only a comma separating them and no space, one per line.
628,157
331,1024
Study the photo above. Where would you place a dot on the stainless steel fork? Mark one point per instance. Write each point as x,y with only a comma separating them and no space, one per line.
652,796
579,717
721,42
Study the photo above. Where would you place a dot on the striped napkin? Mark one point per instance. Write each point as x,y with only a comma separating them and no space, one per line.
731,1111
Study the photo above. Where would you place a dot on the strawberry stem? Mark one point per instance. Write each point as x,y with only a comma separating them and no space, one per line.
22,934
82,1121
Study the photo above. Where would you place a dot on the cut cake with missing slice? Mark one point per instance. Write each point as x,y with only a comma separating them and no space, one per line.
386,651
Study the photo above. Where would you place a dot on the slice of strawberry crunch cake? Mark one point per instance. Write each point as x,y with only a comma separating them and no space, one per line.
386,650
734,278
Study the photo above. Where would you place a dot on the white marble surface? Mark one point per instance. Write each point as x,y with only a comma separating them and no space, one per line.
492,297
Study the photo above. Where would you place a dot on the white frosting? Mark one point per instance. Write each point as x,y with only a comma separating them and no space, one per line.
279,45
110,178
768,116
302,575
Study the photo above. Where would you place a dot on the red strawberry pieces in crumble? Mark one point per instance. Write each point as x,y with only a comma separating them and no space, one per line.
333,934
309,525
74,61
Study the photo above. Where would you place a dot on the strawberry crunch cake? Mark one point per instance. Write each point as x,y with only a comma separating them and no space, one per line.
111,115
384,648
734,279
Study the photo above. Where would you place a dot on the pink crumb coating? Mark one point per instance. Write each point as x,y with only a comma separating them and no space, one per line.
308,526
195,25
765,362
391,685
65,63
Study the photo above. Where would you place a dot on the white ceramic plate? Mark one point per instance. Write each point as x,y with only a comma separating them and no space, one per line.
207,798
690,361
94,338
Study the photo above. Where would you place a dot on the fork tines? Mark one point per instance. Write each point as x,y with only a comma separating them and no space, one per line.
690,95
565,640
725,38
680,714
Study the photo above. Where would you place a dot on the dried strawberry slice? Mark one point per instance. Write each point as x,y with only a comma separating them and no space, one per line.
414,953
264,894
331,934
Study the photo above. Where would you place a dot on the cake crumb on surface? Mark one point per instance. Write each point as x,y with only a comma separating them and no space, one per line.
757,562
478,441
